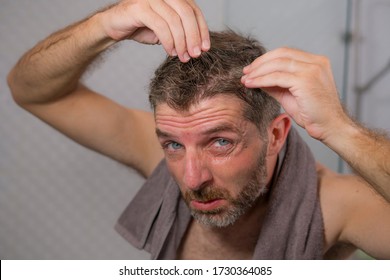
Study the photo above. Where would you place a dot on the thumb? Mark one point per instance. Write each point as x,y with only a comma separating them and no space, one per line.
145,36
278,93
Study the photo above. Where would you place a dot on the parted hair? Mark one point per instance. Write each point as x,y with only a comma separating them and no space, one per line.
217,71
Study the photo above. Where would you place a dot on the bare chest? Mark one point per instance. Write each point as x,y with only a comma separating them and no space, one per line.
200,245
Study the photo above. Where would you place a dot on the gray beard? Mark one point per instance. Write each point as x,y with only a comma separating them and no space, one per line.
246,199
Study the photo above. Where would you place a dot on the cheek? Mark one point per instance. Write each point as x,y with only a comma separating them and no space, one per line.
235,172
175,169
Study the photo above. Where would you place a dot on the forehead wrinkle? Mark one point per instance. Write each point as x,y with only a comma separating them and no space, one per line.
207,111
219,128
222,127
181,122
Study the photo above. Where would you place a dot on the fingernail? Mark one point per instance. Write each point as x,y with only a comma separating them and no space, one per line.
174,52
197,51
186,57
247,81
206,45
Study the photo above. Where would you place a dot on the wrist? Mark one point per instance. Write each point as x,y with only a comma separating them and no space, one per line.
342,132
111,24
95,28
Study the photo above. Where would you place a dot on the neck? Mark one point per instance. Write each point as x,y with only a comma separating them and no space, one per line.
242,236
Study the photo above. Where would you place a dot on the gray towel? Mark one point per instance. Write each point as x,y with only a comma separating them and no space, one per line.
293,227
157,217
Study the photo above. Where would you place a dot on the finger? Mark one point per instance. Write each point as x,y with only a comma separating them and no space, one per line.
280,64
276,79
190,25
281,95
202,25
175,27
283,53
146,36
160,27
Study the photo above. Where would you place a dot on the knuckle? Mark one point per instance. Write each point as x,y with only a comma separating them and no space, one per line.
323,58
160,24
315,69
196,10
284,49
186,11
325,61
289,63
173,18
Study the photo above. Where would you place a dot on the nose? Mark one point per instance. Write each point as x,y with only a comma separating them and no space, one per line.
196,172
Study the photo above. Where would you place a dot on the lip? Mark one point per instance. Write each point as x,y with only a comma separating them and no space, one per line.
208,205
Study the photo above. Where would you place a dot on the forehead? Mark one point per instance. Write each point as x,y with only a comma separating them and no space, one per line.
220,109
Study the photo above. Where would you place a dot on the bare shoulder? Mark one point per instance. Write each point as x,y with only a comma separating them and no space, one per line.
354,214
341,187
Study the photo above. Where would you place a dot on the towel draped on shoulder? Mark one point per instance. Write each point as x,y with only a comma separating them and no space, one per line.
157,218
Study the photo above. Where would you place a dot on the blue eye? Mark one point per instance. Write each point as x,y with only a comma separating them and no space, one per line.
222,142
174,146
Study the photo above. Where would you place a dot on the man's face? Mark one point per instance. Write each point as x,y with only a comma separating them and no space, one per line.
217,158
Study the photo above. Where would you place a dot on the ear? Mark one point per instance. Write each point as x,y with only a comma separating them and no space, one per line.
277,133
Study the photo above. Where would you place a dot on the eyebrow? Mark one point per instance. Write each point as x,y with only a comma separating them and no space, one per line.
213,130
221,128
162,134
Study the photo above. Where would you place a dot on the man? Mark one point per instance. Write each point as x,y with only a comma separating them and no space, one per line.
231,161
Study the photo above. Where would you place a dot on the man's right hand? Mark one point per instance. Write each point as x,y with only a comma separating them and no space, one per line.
178,25
45,81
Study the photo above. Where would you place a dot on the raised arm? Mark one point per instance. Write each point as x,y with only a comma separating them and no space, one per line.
303,83
45,81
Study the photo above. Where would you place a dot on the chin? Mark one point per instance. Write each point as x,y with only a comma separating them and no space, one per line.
218,218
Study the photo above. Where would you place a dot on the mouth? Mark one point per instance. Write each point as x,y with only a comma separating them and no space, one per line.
209,205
